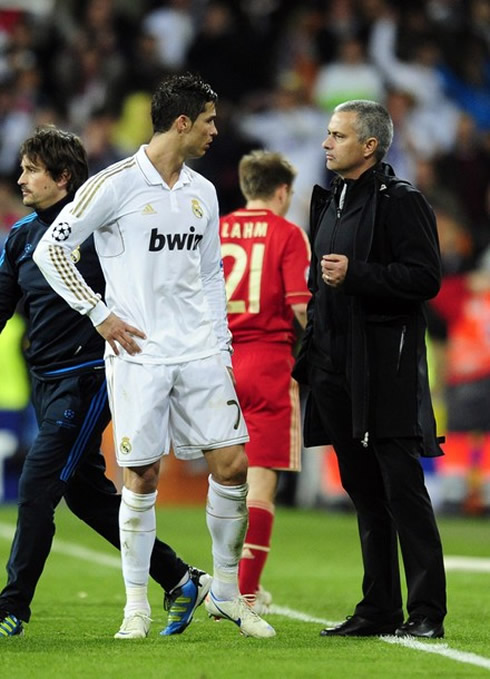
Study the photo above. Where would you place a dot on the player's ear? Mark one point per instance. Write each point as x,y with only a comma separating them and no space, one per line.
183,123
370,146
64,179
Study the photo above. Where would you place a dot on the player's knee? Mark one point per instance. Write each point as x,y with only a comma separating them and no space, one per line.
142,479
230,466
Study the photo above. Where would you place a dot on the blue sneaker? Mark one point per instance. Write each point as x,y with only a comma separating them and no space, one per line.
10,625
183,601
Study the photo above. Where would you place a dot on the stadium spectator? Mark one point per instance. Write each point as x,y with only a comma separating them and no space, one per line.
65,357
458,325
375,260
465,173
434,116
172,25
224,36
265,260
98,135
170,380
287,122
349,75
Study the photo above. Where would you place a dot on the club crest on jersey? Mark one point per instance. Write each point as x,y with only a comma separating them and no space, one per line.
197,209
174,241
61,232
125,446
75,255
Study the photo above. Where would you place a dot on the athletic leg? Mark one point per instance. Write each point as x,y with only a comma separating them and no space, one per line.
262,484
269,398
227,516
92,497
137,527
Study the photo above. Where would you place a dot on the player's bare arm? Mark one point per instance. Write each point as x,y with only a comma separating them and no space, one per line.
114,329
299,311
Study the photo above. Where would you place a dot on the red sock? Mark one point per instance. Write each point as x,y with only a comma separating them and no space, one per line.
256,545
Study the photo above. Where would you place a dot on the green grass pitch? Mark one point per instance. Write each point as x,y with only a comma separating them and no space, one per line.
314,574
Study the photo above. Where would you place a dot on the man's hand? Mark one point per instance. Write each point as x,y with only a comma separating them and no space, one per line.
334,269
114,329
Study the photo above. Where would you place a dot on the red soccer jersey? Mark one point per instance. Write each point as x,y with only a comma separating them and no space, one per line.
266,260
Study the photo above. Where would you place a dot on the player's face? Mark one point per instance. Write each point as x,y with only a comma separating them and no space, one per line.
202,132
346,155
39,189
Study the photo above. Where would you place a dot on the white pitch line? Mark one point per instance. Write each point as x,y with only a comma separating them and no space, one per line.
473,564
70,549
91,555
298,615
440,649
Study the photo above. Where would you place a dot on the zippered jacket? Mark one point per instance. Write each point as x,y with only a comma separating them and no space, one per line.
59,340
394,268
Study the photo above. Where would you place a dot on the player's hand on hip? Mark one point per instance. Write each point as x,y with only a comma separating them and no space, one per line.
116,331
334,269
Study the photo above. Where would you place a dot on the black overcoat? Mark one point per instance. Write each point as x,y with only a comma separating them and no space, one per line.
394,270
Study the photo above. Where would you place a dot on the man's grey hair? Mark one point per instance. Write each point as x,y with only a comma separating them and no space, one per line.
373,120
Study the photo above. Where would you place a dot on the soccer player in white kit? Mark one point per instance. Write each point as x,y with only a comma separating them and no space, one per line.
168,363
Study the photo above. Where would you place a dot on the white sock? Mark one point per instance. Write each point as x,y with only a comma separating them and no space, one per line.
227,520
137,531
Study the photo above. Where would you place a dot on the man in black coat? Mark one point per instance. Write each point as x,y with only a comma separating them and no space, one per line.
375,261
69,393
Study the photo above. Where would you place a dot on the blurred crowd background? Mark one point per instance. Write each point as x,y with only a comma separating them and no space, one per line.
279,67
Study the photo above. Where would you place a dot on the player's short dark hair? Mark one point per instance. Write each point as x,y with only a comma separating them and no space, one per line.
262,172
59,152
179,95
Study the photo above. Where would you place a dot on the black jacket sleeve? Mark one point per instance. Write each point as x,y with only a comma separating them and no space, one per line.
404,263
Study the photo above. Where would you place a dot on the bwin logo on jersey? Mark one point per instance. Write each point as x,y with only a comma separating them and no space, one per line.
174,241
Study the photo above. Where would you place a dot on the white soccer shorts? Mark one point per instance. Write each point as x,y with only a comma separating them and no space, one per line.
190,407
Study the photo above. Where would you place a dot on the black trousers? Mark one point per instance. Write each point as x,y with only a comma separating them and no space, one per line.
65,461
386,484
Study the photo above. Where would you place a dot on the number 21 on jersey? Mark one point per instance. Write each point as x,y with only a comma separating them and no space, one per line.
244,266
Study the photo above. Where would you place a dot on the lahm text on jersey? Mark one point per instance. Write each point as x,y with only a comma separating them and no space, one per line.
174,241
245,230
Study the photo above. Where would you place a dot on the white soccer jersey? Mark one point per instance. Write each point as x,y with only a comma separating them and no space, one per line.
159,250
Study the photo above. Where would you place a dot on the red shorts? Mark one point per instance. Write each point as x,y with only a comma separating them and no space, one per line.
269,398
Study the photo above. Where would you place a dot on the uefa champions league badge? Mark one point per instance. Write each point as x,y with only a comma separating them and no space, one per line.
61,232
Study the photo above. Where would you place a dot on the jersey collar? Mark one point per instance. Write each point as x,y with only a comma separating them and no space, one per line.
152,175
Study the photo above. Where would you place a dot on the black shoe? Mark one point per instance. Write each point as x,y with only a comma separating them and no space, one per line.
421,626
355,626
